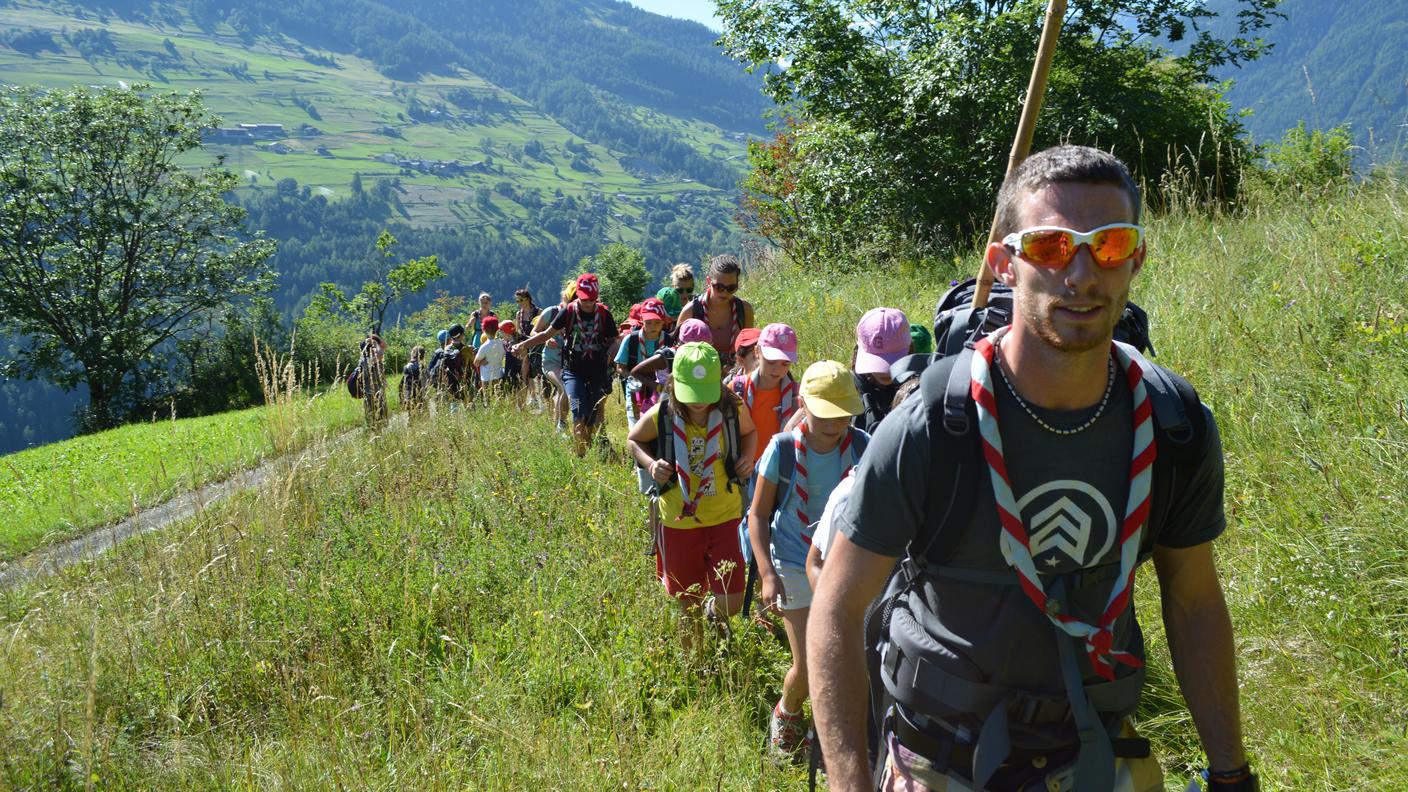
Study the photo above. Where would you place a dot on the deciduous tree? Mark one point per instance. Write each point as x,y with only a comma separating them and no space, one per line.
108,247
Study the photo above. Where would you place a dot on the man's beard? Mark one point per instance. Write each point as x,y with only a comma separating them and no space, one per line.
1037,312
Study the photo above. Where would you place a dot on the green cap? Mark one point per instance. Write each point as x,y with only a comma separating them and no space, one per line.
698,379
671,297
920,342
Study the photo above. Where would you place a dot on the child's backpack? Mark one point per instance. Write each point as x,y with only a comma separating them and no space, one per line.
786,470
665,443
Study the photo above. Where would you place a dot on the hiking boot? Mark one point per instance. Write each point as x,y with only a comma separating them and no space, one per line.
787,731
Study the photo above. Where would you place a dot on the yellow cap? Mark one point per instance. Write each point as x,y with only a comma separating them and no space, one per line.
829,390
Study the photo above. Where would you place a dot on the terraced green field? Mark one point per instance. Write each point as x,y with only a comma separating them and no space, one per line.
359,115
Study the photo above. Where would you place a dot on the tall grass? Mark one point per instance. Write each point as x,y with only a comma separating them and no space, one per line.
459,604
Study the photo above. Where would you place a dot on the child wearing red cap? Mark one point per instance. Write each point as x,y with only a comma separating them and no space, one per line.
492,357
588,329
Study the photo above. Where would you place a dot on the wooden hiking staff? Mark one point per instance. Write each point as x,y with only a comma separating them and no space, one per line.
1026,127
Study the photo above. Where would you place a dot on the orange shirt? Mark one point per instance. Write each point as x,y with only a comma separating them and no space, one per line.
764,414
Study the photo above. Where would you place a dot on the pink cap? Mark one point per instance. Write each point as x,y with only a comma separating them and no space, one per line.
883,337
779,342
696,330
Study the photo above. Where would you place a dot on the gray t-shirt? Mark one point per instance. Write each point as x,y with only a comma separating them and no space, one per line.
1072,491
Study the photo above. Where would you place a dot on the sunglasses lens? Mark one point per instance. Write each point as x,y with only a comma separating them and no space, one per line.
1047,248
1113,245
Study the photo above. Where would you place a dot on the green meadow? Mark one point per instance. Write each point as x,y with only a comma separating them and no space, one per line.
57,491
458,603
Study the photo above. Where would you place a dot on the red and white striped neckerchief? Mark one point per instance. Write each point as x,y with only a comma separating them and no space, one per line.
799,478
1016,544
692,487
786,406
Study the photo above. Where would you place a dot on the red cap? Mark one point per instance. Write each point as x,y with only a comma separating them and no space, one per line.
489,323
587,286
653,308
746,338
508,326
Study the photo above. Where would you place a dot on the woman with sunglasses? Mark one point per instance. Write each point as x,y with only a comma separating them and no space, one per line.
721,308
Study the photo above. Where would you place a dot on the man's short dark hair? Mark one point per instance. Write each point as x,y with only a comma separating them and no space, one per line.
1060,165
456,330
725,264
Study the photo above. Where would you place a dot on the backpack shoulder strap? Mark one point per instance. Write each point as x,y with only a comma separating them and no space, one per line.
1181,432
786,471
739,314
731,438
953,458
664,440
859,441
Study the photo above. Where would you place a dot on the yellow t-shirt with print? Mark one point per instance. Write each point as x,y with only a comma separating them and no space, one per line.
719,503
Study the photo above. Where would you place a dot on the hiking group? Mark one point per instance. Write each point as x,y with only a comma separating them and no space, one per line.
947,528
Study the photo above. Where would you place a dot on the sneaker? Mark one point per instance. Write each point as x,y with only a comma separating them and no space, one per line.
787,731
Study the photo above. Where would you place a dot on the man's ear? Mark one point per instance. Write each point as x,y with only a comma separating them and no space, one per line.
999,260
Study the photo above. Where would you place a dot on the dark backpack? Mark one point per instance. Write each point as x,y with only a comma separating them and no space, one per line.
569,338
354,382
1181,431
665,442
412,382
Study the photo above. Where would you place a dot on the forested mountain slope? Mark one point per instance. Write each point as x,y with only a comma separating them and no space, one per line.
1343,62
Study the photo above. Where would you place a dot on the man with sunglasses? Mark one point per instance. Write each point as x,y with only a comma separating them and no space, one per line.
721,308
1022,488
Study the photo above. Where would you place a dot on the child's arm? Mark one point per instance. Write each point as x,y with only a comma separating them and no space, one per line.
814,562
641,435
747,445
649,366
759,530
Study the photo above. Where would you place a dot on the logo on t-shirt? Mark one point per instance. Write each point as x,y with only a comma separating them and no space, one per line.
1070,524
697,447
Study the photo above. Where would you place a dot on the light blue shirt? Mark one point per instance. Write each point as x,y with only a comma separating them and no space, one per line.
790,538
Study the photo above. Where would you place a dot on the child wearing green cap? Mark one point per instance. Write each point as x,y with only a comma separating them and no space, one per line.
683,442
796,475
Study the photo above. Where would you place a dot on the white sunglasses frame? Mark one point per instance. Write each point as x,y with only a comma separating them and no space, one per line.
1013,240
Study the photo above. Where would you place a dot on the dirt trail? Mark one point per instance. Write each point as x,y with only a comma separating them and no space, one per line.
53,558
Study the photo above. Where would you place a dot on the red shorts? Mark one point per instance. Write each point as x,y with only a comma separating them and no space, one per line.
706,557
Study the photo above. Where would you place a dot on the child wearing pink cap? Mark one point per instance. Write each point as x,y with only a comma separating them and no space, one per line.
690,331
882,337
769,392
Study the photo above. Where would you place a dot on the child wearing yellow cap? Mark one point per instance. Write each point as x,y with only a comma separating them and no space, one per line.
796,474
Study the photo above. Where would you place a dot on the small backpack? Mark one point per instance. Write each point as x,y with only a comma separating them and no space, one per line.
786,469
354,382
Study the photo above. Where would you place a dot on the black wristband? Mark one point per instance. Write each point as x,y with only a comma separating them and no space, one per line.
1241,779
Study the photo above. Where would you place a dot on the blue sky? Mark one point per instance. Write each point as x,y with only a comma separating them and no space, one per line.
701,11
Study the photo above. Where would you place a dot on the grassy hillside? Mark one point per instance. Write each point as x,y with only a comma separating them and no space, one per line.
63,489
359,115
459,605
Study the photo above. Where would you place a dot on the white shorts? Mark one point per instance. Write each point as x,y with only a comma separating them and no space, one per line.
798,589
